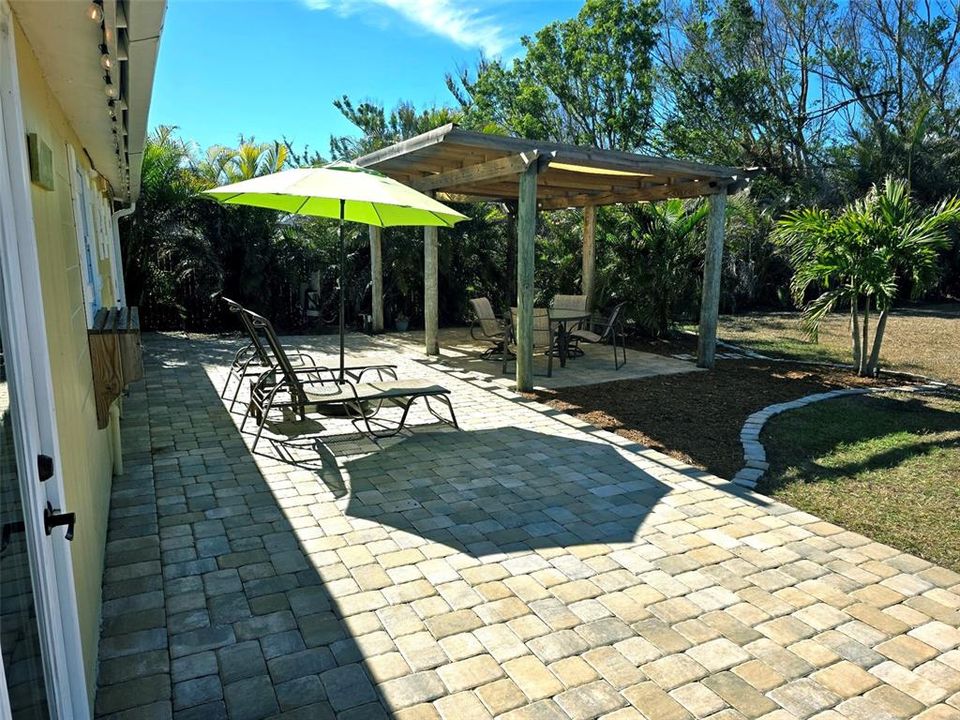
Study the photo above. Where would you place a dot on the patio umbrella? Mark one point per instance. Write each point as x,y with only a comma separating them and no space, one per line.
343,191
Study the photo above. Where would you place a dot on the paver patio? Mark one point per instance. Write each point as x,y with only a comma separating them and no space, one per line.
525,567
460,353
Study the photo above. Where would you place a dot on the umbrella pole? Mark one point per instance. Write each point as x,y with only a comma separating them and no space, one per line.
343,259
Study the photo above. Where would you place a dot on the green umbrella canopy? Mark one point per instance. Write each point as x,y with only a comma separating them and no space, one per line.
343,191
368,196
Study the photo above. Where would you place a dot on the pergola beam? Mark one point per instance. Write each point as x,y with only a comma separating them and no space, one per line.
688,189
595,157
492,170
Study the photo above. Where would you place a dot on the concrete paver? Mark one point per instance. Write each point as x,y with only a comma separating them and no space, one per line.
527,566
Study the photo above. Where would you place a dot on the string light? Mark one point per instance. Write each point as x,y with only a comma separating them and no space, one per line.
106,62
95,11
110,89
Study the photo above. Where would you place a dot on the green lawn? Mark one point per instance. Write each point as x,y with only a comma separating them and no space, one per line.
884,466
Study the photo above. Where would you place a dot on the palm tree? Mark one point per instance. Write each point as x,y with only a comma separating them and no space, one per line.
653,252
861,256
164,253
224,165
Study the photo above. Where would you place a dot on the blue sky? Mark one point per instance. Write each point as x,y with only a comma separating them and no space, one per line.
270,69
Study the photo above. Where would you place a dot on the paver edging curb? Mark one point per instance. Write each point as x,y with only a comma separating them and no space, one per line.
755,462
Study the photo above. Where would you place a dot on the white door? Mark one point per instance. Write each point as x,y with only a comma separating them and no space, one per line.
42,673
20,642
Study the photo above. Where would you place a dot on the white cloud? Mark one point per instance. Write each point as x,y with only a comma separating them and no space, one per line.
457,20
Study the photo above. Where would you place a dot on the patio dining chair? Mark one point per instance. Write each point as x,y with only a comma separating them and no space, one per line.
300,390
489,326
543,337
570,302
608,330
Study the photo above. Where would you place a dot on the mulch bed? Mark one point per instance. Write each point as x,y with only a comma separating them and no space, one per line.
673,344
696,417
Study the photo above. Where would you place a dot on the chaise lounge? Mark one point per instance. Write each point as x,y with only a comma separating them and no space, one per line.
254,359
319,390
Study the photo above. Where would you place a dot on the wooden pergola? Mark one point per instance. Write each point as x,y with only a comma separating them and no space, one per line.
457,165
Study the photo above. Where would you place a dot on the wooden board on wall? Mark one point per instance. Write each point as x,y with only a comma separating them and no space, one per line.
131,351
105,362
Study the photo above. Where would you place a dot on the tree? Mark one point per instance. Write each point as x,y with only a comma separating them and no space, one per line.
599,68
897,62
743,84
505,100
587,80
379,130
165,255
250,159
861,256
180,248
653,259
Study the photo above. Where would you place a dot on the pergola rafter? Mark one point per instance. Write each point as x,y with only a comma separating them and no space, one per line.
457,165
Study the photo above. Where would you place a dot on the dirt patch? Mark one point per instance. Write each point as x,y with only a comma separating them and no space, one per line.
919,339
697,417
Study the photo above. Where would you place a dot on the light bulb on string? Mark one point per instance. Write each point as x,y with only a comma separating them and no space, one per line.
95,12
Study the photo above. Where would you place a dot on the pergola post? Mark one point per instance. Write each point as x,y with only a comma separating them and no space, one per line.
430,300
589,253
526,253
712,265
510,296
376,279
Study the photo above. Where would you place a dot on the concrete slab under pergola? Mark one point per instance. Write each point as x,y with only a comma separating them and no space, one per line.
457,165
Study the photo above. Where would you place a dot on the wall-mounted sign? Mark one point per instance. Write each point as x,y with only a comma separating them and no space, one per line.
41,162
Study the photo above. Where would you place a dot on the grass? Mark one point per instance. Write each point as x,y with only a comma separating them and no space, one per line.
885,466
921,340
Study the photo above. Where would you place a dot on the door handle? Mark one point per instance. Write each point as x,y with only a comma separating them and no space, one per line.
53,518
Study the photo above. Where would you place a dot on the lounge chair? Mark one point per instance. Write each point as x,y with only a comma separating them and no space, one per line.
489,326
317,389
610,330
543,337
251,360
254,358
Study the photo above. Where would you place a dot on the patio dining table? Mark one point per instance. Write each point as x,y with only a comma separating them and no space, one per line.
564,318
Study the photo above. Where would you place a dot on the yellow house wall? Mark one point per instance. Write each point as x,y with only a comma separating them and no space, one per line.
86,452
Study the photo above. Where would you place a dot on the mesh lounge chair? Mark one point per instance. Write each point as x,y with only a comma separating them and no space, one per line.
610,330
543,338
489,326
316,389
253,359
